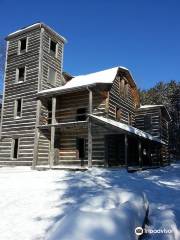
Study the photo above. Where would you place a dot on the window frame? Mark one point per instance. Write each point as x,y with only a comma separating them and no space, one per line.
49,76
51,52
16,108
17,74
19,46
118,109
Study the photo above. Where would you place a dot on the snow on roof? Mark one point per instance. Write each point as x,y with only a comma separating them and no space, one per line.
151,106
105,76
38,24
126,128
158,105
24,28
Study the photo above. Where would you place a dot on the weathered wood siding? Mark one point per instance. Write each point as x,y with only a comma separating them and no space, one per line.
126,104
155,115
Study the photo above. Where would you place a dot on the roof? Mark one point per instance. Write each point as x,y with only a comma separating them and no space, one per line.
34,26
157,106
83,81
126,128
151,106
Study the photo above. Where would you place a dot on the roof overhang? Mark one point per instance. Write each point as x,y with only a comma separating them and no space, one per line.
123,128
57,91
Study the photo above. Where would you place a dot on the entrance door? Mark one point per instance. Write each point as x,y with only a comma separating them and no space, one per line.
114,150
80,142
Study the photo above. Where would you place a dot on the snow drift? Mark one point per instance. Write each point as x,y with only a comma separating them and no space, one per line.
112,214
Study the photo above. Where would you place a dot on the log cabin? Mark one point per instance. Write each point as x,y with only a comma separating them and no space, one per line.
50,118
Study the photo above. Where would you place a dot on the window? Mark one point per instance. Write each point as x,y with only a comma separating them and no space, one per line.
53,47
52,76
147,122
118,114
15,148
121,87
80,144
126,90
18,108
81,114
130,118
20,74
23,45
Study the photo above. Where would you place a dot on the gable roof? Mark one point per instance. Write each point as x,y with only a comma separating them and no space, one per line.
83,81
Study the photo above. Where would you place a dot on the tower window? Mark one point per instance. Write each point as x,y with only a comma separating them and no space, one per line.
52,76
53,47
18,108
23,45
81,114
20,74
15,148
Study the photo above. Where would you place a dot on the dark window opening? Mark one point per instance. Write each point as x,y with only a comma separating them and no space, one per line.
21,74
81,114
147,122
18,107
23,44
52,76
80,142
15,148
118,114
53,47
49,107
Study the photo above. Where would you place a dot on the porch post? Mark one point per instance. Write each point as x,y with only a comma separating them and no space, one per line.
90,132
126,149
36,139
140,153
52,131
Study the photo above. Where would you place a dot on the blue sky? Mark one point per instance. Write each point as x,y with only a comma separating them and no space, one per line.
142,35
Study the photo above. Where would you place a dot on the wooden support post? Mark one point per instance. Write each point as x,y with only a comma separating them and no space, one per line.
140,153
90,132
52,132
126,150
36,139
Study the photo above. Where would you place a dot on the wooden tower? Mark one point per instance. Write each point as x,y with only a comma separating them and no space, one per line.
34,60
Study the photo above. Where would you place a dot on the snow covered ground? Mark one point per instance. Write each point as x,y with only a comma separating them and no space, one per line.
33,204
